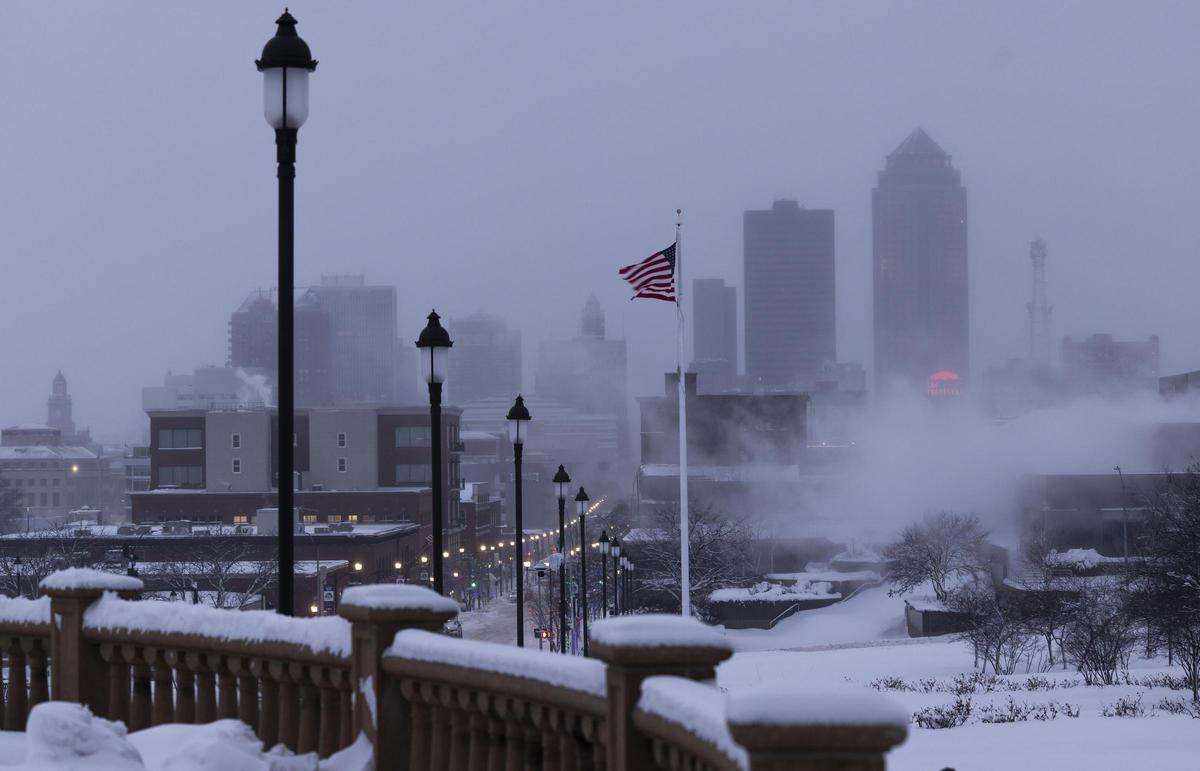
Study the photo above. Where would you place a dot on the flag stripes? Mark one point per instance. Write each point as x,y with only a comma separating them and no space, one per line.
654,277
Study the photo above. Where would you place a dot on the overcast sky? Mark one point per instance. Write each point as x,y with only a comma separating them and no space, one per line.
508,157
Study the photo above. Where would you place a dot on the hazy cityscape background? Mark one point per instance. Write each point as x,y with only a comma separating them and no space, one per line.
509,159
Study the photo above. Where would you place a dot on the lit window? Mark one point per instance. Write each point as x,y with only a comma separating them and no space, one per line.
240,519
352,518
237,465
309,519
341,465
333,519
341,439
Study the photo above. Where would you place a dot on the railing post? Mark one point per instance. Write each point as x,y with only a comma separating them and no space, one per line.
637,647
78,673
797,730
376,613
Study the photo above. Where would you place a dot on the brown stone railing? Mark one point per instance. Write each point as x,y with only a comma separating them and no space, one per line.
25,646
383,674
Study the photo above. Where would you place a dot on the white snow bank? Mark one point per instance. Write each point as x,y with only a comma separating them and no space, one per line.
328,634
764,591
826,575
1078,559
657,630
359,756
61,735
791,706
398,597
225,745
573,672
696,707
89,578
20,610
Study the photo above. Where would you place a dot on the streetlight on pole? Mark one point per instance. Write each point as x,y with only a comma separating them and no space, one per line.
561,480
518,424
604,548
581,507
629,586
1124,515
614,549
285,64
434,350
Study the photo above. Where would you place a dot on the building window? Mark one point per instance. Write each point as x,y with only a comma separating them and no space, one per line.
181,476
309,519
42,482
333,519
412,436
408,473
341,439
352,518
241,519
54,499
341,465
237,465
55,482
368,517
43,499
235,441
180,439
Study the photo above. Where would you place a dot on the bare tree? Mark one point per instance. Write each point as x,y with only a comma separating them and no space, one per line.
1100,631
41,554
944,547
1165,577
993,627
720,551
230,572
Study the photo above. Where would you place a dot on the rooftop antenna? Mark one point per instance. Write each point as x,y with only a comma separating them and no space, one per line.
1039,308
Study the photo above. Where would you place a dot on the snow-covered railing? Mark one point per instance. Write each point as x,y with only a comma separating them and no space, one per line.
379,674
25,646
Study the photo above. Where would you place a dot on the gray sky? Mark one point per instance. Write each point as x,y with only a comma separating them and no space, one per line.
508,157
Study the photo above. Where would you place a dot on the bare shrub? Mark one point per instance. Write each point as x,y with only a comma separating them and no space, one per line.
943,548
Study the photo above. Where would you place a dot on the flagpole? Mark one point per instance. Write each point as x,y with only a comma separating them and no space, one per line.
685,589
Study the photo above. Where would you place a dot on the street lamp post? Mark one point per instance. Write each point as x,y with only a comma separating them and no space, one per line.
1124,515
518,424
604,547
434,349
629,585
614,549
561,480
285,64
581,507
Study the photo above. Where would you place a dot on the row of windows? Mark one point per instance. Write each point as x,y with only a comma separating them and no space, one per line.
180,475
36,482
180,438
413,436
32,499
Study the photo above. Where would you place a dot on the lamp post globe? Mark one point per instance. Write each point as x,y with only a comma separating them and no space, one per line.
581,509
433,345
561,480
518,424
285,64
604,550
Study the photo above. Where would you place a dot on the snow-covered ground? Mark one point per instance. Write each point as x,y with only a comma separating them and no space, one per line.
854,644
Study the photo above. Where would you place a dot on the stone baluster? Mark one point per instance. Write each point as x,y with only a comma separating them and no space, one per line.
637,647
247,692
376,613
18,694
268,709
289,703
796,730
118,682
327,732
79,673
227,684
163,708
495,753
185,686
310,706
139,706
206,686
345,691
39,689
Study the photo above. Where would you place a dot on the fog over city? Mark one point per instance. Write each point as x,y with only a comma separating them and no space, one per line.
510,157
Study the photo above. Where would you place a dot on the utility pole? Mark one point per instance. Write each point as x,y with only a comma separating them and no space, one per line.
1124,515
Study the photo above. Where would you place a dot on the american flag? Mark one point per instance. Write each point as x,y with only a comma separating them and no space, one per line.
654,277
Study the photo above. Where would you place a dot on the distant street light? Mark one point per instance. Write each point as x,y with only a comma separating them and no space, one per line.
581,507
434,344
604,549
285,64
561,480
518,424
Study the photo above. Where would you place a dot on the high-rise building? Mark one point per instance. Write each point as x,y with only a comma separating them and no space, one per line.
587,373
254,334
485,360
789,294
920,272
362,323
314,353
714,333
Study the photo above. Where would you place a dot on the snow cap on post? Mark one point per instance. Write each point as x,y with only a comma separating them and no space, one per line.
88,581
406,604
791,723
659,639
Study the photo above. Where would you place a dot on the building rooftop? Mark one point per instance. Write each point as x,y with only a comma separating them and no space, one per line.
43,452
921,144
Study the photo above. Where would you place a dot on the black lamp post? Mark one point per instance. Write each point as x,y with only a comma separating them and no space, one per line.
285,64
614,549
581,507
561,480
434,344
518,424
604,547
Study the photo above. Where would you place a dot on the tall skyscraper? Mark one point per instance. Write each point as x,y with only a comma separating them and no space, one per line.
485,360
789,294
362,322
714,333
314,353
920,243
254,334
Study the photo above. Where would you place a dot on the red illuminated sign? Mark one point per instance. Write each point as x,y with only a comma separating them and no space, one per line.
944,383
